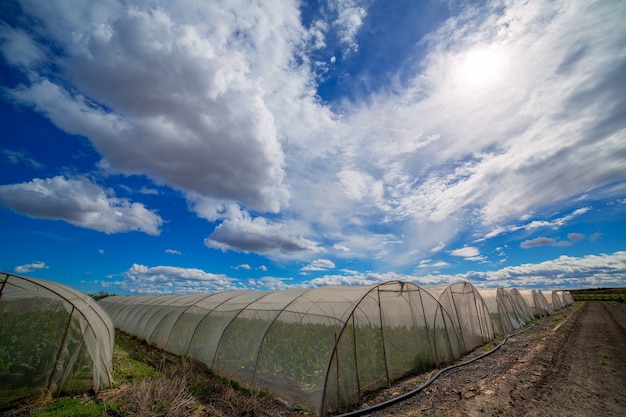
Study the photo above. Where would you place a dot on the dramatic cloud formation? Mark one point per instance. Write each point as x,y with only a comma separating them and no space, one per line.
159,86
80,202
606,270
349,135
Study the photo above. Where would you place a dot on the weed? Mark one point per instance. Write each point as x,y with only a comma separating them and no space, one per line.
605,355
70,407
302,408
153,396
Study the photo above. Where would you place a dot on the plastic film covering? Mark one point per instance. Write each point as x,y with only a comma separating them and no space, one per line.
557,300
317,348
51,337
520,306
503,315
565,297
468,312
537,302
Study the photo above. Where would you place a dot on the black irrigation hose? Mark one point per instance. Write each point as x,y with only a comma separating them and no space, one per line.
426,384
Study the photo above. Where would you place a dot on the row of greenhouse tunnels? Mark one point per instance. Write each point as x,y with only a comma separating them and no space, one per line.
320,349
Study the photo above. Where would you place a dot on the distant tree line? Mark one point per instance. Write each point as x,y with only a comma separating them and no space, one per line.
101,294
601,294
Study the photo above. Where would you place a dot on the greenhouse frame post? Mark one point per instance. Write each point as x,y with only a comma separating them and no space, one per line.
382,336
336,355
219,343
167,342
356,359
56,362
6,278
458,319
430,342
483,331
195,330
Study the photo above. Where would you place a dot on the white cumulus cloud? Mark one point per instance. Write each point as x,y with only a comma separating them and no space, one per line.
319,265
80,202
141,279
259,235
22,269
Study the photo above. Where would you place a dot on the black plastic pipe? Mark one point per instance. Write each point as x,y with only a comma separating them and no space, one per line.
426,384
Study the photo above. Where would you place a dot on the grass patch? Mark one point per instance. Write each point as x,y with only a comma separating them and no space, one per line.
78,406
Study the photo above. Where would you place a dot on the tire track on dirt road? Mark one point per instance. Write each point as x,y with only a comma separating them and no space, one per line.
588,376
572,363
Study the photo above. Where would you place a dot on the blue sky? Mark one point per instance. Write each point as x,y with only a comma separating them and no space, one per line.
159,147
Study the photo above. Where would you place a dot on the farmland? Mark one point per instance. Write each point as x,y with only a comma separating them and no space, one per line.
600,294
571,363
533,373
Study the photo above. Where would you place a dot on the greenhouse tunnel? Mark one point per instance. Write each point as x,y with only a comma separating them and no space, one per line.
468,311
503,316
566,296
319,348
537,302
557,300
52,337
520,306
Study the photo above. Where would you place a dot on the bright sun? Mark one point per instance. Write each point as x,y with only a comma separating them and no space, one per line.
480,66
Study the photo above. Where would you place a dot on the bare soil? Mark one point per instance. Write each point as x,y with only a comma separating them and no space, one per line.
572,363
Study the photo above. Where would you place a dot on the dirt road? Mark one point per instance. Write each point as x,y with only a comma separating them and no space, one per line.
572,363
588,377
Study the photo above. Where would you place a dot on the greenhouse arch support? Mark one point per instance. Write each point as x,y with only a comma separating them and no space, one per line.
53,337
318,348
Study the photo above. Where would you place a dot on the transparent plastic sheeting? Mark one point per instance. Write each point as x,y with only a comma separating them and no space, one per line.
51,337
323,348
520,306
561,299
567,298
468,311
536,300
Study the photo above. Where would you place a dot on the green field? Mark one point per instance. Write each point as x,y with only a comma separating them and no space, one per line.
600,294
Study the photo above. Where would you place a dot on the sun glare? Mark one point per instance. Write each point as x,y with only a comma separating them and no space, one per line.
479,67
